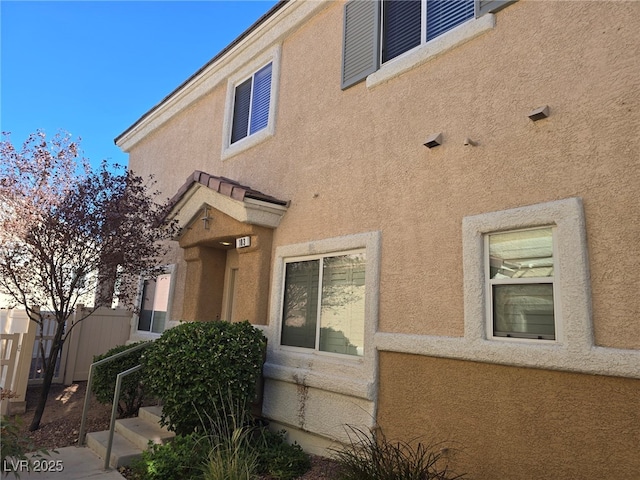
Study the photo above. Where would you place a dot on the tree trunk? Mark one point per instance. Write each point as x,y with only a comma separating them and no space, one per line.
49,371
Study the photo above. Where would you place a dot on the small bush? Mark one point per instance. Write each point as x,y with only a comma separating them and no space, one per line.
369,456
242,447
279,459
229,431
179,459
104,380
195,359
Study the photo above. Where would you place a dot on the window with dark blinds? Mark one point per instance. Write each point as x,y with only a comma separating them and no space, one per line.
261,99
251,106
405,24
443,15
401,27
241,106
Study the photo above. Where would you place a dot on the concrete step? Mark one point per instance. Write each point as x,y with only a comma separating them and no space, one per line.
140,432
123,452
152,414
131,437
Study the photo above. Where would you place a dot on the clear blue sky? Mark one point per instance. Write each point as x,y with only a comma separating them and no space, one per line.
92,68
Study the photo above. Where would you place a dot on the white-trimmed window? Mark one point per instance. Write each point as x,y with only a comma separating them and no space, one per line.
251,103
376,32
569,275
519,268
407,24
154,304
323,306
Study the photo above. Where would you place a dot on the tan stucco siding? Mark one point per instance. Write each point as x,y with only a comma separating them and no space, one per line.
353,161
558,425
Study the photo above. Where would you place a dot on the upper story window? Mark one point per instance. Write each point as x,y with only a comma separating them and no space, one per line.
251,104
520,274
409,23
324,303
250,108
377,31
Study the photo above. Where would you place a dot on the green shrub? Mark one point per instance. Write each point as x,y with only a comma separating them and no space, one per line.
369,456
104,380
229,431
179,459
279,459
189,364
231,457
242,447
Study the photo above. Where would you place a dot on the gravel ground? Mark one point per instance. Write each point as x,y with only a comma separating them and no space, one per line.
60,424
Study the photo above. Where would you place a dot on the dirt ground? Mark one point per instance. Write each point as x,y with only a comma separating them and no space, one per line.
60,423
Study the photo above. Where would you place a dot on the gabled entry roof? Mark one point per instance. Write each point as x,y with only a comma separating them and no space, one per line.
241,202
224,186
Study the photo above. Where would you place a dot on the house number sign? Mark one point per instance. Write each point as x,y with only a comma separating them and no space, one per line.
243,242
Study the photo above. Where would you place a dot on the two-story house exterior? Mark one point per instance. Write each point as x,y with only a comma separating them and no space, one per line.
432,211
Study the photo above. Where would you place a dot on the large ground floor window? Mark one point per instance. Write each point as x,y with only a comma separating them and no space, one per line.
324,303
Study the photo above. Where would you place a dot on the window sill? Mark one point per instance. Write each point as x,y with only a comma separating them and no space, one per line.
588,359
248,142
434,48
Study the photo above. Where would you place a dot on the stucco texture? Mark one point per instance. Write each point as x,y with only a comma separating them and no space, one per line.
514,423
352,161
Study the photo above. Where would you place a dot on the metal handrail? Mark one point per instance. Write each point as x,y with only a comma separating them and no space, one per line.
114,411
87,395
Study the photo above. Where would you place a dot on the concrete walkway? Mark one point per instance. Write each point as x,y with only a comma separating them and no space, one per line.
71,463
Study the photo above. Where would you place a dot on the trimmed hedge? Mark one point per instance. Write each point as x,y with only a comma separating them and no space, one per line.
191,365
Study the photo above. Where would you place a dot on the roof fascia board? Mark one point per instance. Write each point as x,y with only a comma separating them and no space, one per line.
284,21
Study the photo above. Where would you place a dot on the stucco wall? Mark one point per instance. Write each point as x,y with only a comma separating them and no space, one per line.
559,425
353,161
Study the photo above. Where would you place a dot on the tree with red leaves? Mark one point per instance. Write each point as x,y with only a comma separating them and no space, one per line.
68,231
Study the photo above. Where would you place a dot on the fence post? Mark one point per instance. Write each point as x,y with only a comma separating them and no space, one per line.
18,325
72,345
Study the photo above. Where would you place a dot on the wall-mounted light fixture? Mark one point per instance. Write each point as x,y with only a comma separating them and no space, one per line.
539,113
206,218
469,142
434,140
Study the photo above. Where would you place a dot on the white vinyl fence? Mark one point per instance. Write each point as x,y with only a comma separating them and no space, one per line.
22,348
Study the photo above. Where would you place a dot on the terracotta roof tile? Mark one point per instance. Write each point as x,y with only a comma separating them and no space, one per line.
224,186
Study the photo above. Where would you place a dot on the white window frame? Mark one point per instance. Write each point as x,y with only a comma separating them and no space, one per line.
357,375
431,49
572,299
423,28
319,257
136,334
553,280
231,149
574,349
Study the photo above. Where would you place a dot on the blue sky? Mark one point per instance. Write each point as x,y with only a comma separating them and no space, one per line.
92,68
